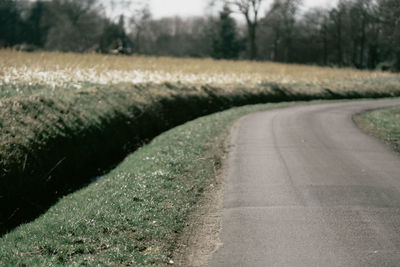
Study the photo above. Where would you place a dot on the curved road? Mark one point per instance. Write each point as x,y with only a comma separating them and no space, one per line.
305,187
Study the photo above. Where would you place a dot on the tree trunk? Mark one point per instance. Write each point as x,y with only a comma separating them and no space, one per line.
252,27
362,41
339,42
397,65
325,44
372,56
354,53
276,44
288,49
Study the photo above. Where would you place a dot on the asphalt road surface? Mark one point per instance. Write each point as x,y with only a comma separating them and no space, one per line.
305,187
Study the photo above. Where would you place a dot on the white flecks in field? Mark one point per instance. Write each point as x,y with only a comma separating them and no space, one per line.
55,78
61,70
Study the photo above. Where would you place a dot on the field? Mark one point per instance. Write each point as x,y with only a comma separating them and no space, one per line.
67,118
22,73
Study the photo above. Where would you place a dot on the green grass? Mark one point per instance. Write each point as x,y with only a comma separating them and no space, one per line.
134,215
52,141
382,123
13,90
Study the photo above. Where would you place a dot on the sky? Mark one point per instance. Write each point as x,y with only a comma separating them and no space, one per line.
186,8
189,8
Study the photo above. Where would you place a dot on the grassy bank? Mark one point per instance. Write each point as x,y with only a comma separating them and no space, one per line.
51,145
382,123
65,117
134,215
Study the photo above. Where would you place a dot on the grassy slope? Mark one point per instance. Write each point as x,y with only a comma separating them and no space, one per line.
382,123
51,144
58,127
135,213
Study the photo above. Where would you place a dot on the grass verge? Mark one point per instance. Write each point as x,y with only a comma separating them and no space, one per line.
382,123
52,144
134,215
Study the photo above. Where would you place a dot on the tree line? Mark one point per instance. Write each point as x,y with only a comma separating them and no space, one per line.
358,33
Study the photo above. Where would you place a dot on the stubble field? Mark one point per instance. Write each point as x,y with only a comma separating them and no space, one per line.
27,73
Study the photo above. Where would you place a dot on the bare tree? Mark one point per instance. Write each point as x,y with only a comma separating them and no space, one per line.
139,21
179,37
75,25
389,11
337,18
250,10
312,44
282,18
360,19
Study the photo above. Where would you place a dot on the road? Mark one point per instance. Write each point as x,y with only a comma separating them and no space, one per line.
305,187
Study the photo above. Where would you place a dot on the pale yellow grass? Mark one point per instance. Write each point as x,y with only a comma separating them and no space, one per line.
65,69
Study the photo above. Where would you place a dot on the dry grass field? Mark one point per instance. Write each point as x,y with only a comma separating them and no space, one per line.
61,70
